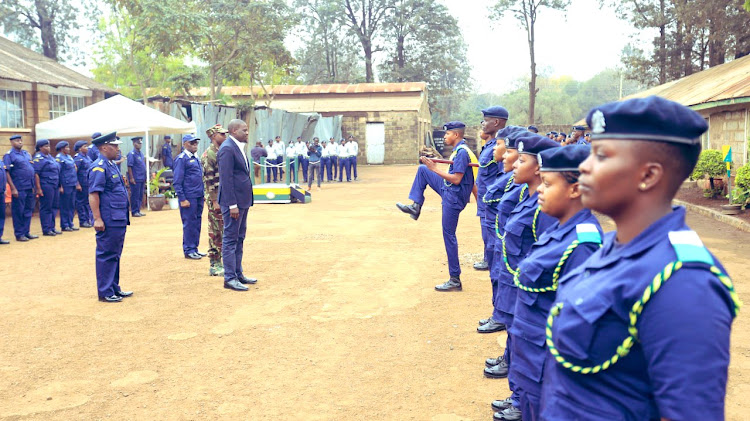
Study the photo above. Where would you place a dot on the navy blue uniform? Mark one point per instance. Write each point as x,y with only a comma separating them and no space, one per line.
166,155
455,197
105,179
3,187
523,227
19,166
85,216
677,366
137,164
491,204
48,170
93,153
489,170
68,181
188,184
537,285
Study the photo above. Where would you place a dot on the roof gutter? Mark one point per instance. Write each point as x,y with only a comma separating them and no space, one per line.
723,102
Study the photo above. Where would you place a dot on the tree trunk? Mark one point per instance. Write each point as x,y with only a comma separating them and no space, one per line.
212,82
532,55
400,57
662,44
367,47
49,43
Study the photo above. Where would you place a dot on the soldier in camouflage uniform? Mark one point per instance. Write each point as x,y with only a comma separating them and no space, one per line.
218,135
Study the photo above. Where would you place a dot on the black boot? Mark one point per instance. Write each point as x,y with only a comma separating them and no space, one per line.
414,209
453,284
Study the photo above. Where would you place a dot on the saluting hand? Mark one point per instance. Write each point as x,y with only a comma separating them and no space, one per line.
98,225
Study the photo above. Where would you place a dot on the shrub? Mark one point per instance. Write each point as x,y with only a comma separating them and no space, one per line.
742,178
710,164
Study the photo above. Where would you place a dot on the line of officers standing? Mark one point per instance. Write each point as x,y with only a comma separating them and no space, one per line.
334,159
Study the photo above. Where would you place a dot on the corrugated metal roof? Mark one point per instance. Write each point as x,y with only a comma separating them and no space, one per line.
337,88
20,63
723,82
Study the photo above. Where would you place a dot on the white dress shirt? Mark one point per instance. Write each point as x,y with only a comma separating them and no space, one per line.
271,151
279,148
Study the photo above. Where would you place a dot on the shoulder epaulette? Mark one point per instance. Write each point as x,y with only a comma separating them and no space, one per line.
689,247
587,233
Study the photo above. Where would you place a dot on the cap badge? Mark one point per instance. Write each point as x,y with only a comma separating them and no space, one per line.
539,159
520,146
597,122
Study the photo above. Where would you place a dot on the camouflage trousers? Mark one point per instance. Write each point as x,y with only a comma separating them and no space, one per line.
215,232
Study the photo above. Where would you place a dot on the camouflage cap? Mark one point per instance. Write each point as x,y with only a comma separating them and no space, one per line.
216,129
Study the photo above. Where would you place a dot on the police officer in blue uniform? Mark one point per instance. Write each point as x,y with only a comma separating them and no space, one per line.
69,185
454,186
83,162
641,330
3,185
22,179
93,151
501,197
188,184
568,243
578,138
523,227
494,119
109,204
136,177
48,186
166,152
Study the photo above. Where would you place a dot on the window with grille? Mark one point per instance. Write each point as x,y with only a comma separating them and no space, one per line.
11,109
59,105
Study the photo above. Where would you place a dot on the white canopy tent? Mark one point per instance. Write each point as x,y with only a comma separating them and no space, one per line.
115,114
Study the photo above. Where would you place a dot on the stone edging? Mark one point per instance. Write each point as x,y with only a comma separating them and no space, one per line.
727,219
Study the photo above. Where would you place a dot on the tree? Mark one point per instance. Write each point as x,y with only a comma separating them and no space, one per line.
525,12
45,25
365,18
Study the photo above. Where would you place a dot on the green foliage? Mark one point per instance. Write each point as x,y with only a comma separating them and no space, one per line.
710,164
742,177
153,185
170,194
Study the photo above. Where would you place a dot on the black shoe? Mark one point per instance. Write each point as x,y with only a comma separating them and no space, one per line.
141,214
4,241
453,284
491,362
201,254
50,234
245,280
86,225
124,294
58,232
67,229
22,239
235,285
110,299
499,371
508,414
481,265
31,236
484,321
491,327
194,256
414,209
135,215
502,405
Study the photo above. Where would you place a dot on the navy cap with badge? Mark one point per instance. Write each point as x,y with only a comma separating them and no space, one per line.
579,128
532,143
511,133
563,159
496,111
107,139
79,145
61,145
41,142
454,125
15,136
652,118
554,133
532,129
137,139
189,138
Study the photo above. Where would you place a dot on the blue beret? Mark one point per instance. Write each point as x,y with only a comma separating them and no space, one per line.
652,118
79,144
167,137
563,134
41,142
563,159
496,111
189,138
532,129
554,133
15,136
532,143
61,145
95,135
453,125
109,139
579,128
510,133
137,139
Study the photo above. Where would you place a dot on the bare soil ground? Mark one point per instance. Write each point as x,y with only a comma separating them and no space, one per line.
343,324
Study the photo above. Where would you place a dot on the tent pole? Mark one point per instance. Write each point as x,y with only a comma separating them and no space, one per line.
148,170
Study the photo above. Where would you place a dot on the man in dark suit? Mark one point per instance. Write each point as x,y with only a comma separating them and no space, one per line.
235,199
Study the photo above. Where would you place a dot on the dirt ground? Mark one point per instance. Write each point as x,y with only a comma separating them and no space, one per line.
343,324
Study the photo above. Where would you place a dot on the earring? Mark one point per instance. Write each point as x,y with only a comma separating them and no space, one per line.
643,186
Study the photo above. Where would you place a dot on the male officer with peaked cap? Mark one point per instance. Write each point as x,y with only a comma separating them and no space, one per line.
22,179
109,203
136,177
188,184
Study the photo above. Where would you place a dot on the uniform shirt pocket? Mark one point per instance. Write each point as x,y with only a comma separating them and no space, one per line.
577,325
119,210
514,238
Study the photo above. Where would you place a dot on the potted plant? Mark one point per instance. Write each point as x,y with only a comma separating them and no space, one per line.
710,166
174,202
156,200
